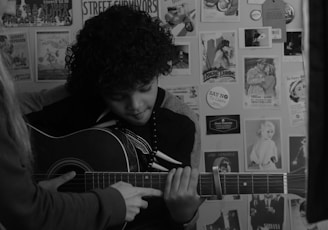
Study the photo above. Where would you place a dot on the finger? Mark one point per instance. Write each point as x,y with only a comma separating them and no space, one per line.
193,182
185,177
168,183
144,204
149,192
58,181
176,180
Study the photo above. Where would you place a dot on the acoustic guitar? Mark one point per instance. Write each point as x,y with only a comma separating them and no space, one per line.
101,157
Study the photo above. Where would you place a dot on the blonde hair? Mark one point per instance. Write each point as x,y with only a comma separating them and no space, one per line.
11,119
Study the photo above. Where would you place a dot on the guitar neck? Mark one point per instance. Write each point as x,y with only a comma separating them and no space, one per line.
231,183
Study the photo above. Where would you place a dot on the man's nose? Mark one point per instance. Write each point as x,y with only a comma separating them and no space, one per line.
135,102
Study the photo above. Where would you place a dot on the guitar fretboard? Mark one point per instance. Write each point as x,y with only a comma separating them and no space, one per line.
231,183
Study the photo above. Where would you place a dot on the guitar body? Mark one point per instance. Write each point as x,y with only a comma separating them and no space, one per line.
93,149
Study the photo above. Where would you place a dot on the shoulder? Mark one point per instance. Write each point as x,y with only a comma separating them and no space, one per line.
174,104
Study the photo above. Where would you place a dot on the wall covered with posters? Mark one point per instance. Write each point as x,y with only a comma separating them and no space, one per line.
241,69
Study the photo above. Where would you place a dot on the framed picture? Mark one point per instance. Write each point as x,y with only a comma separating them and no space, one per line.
50,55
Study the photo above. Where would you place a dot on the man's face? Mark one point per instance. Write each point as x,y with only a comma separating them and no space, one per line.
134,106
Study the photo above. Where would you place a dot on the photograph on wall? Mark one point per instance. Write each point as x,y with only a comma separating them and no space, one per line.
292,48
226,161
220,11
218,56
298,216
263,144
91,8
50,50
40,13
262,77
180,17
296,97
266,211
187,94
181,65
222,215
255,37
297,154
16,54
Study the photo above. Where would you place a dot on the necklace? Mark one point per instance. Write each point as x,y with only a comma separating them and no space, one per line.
148,150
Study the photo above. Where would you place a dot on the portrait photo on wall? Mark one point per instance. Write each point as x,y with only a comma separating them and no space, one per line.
218,56
50,51
266,211
293,48
263,144
297,154
255,37
262,77
220,11
181,65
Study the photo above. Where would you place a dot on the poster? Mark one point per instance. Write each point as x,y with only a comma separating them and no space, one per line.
296,93
16,54
94,7
267,211
50,55
262,79
263,144
40,13
218,54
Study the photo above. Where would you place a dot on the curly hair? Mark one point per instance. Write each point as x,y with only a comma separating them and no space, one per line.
120,49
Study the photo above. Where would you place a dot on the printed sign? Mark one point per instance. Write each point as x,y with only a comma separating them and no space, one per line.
222,124
217,97
94,7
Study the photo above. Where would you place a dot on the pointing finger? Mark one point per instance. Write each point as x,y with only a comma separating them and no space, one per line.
149,192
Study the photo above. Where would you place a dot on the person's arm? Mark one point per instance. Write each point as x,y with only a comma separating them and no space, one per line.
24,205
35,101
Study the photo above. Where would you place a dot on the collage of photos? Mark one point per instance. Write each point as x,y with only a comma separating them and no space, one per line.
242,75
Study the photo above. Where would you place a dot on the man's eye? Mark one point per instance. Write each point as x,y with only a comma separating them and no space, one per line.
117,97
145,89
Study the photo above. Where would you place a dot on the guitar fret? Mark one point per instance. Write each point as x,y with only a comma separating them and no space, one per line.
232,184
238,184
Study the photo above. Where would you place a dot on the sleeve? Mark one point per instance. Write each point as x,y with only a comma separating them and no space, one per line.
24,205
172,103
35,101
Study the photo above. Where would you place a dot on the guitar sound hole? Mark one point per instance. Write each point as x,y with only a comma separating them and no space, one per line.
74,185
